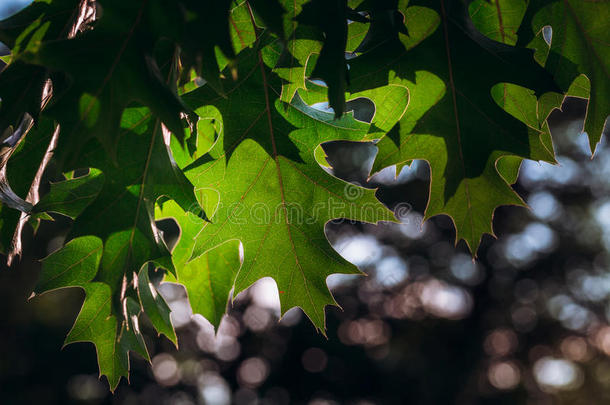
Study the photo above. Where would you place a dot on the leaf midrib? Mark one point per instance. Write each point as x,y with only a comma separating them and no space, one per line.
500,21
281,186
456,115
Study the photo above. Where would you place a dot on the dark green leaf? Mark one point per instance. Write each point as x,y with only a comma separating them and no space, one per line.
275,197
330,16
74,265
71,197
155,306
453,121
580,44
209,278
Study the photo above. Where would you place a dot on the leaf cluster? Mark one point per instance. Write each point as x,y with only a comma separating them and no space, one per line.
208,113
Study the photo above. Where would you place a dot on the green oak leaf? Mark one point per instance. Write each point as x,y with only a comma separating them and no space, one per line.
123,212
71,197
207,27
210,277
289,58
271,12
21,84
76,265
118,208
214,33
23,29
96,324
385,21
315,46
155,306
330,17
453,121
130,336
118,56
389,104
501,21
274,196
498,19
580,44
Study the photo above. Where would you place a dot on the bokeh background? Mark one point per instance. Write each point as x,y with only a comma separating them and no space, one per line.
527,323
